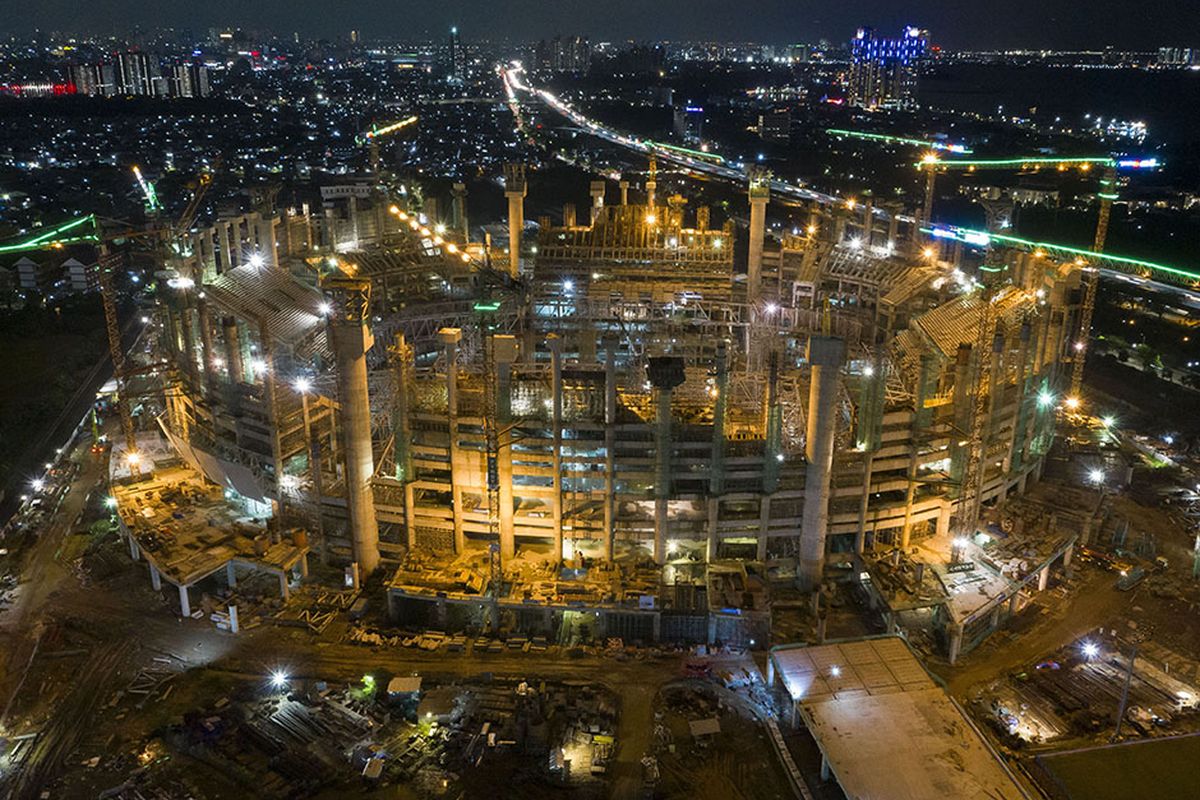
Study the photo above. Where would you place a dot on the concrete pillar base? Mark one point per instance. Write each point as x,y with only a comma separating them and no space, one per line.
155,578
185,606
234,627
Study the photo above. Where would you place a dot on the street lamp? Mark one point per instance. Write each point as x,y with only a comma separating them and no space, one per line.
1096,476
278,679
1090,650
1045,399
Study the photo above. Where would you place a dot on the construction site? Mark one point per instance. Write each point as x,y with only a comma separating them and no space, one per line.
587,502
603,426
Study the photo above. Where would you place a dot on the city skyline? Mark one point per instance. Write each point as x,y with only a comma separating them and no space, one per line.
1022,24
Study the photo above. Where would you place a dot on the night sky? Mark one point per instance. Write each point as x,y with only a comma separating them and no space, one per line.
1130,24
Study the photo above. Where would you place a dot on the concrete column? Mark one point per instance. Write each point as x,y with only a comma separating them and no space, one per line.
714,541
515,189
284,590
963,406
155,578
303,565
943,520
135,552
1014,603
954,637
265,228
1024,384
450,337
716,474
556,426
624,186
233,350
1068,554
760,194
826,772
185,606
597,192
350,340
402,450
610,443
666,373
825,355
860,538
207,353
234,626
1044,578
770,671
230,575
773,427
459,211
224,247
764,525
504,349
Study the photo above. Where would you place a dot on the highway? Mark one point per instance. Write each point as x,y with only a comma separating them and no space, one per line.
724,169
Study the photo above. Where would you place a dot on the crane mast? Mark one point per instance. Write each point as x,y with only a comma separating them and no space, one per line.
1091,281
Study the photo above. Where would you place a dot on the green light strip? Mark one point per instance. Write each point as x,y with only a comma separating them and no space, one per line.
686,151
1192,277
883,137
51,236
1016,162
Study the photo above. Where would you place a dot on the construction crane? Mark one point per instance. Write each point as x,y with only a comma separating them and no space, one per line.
87,230
372,136
1091,283
151,194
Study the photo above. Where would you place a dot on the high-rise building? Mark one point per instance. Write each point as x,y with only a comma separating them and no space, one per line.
1178,56
689,123
457,59
137,74
775,125
189,80
565,54
884,72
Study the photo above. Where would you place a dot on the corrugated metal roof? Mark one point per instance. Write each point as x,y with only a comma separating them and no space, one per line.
289,309
957,322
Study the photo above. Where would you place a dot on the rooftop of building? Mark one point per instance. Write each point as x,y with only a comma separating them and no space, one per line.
885,727
188,529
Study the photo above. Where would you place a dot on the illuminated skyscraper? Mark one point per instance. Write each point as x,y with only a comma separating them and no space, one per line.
884,72
457,57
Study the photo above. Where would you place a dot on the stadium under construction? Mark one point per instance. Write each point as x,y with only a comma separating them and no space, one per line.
606,428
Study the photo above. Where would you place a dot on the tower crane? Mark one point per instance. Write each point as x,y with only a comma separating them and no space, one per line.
372,136
87,229
151,194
